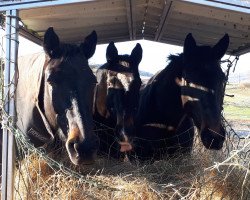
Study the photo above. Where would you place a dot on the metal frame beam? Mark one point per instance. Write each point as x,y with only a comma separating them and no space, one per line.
8,152
163,22
10,5
130,6
240,51
30,36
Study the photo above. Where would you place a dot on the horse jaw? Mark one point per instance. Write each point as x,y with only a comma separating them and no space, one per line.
48,106
213,139
212,135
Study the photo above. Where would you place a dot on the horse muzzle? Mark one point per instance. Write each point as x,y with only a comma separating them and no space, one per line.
125,146
82,152
124,137
213,138
125,143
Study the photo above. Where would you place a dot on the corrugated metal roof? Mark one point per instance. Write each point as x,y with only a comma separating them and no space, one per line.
166,21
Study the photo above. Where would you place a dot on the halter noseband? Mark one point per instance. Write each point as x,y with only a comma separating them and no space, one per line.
190,84
184,82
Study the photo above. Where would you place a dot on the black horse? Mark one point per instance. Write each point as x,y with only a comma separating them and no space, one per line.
117,99
189,90
54,97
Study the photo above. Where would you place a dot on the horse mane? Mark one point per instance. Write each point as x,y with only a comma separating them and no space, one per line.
164,76
124,57
176,59
174,66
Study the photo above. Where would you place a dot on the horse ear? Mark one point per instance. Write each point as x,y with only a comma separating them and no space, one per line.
136,54
89,45
189,45
220,48
51,43
111,52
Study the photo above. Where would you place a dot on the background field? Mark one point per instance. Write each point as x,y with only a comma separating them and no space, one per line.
237,108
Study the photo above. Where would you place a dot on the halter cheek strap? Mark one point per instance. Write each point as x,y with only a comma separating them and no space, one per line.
184,82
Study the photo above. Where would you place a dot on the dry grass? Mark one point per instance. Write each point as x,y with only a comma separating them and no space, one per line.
205,175
184,177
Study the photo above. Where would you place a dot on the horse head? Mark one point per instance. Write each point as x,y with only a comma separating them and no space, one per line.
202,81
119,81
68,94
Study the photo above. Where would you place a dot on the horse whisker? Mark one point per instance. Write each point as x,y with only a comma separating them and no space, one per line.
215,132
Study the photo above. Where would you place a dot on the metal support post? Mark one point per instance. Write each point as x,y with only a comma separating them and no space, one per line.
8,152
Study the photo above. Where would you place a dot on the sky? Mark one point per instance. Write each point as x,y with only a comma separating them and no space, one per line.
154,54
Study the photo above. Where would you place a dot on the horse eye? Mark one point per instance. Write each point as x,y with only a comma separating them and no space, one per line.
55,77
52,83
52,79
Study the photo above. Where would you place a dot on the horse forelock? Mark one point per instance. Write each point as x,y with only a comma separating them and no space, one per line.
117,75
201,62
69,49
124,61
119,80
202,53
65,63
125,58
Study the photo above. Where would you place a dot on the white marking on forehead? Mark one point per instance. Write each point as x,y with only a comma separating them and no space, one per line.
76,119
125,79
124,64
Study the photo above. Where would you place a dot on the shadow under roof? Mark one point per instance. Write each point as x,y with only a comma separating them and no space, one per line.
166,21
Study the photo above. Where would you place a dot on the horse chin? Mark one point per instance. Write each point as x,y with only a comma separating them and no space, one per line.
81,153
76,160
211,139
125,143
125,146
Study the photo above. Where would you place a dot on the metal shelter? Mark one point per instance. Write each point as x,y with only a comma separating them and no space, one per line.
166,21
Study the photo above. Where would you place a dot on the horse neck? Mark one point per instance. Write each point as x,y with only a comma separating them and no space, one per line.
163,86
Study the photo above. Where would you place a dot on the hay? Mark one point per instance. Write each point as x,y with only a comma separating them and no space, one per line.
198,176
201,176
160,181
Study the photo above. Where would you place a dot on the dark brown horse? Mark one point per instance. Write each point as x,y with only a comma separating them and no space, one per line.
117,99
54,97
189,90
